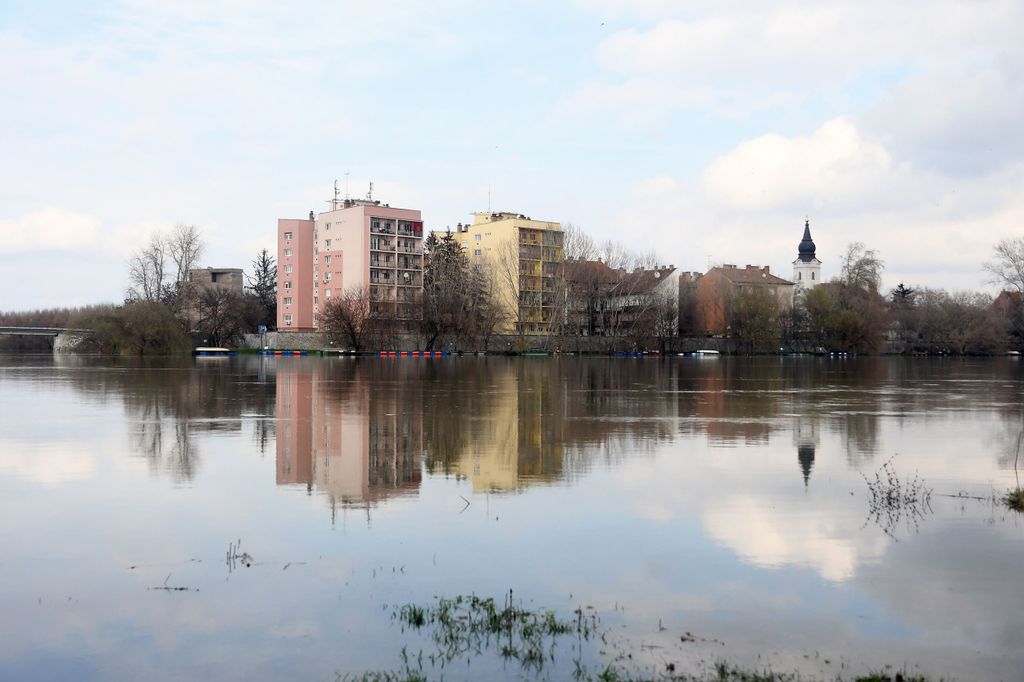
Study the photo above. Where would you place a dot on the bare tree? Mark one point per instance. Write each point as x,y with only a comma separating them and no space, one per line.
862,267
147,270
1006,269
345,318
184,246
505,274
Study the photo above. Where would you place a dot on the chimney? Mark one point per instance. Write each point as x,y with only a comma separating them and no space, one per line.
765,270
311,215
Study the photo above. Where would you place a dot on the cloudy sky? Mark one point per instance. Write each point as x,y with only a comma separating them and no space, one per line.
705,131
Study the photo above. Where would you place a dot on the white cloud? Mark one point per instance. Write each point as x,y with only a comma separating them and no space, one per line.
834,165
743,58
47,464
961,122
49,228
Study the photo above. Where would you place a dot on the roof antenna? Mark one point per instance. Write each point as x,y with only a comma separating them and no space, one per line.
369,193
488,197
334,201
347,197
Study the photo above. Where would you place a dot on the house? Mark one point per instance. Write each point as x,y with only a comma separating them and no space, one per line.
719,286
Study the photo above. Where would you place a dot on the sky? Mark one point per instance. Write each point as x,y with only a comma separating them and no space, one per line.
703,131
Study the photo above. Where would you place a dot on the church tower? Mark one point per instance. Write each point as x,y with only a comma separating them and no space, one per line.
806,268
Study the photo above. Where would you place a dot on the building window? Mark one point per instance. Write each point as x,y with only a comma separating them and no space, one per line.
327,293
288,269
287,319
287,300
327,277
476,237
316,317
327,244
287,235
812,275
799,276
288,253
288,284
476,252
316,300
327,227
327,260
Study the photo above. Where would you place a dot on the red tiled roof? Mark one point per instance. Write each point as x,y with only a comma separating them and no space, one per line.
749,275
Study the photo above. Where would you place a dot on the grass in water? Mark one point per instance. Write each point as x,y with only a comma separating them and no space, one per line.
468,625
463,628
1015,500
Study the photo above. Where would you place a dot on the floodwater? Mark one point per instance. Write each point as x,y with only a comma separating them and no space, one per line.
703,509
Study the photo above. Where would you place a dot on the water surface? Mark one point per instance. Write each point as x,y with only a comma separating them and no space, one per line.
301,500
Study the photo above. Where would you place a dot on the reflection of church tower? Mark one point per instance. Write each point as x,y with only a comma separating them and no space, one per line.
805,453
806,268
805,437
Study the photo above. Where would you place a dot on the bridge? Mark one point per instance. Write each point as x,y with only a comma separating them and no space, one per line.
43,331
61,338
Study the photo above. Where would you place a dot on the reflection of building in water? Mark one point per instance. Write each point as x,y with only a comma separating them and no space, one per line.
351,441
734,412
805,437
512,433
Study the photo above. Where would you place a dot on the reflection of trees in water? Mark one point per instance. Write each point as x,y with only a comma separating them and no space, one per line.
169,402
164,442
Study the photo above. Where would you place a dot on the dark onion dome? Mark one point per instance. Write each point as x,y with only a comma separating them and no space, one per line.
807,248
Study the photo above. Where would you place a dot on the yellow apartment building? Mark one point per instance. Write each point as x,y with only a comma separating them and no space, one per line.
524,257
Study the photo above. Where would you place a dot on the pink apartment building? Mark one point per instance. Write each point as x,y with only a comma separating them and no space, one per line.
358,244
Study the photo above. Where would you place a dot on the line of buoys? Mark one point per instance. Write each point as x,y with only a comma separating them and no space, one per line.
413,354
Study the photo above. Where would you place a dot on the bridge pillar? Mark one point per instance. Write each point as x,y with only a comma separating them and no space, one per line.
66,342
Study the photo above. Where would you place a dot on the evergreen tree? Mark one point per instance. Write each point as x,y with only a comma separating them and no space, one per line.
263,283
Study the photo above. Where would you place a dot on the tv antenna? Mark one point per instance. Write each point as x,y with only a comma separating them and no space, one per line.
334,201
369,193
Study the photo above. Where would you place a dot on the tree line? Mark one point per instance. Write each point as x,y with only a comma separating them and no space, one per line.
850,314
166,312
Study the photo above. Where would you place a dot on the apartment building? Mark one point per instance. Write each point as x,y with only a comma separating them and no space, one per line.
524,257
359,244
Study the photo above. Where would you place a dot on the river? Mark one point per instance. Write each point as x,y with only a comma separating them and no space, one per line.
254,518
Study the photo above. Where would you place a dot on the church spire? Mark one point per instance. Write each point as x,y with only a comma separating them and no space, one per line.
806,249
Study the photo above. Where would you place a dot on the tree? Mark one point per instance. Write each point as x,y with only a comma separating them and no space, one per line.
754,319
136,328
148,267
902,295
1006,269
446,293
184,246
346,318
263,283
862,268
222,316
146,270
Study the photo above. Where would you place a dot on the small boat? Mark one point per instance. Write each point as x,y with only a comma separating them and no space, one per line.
705,352
212,351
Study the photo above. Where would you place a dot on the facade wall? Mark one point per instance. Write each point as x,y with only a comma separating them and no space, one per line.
806,275
295,249
715,291
524,257
375,248
354,446
229,279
